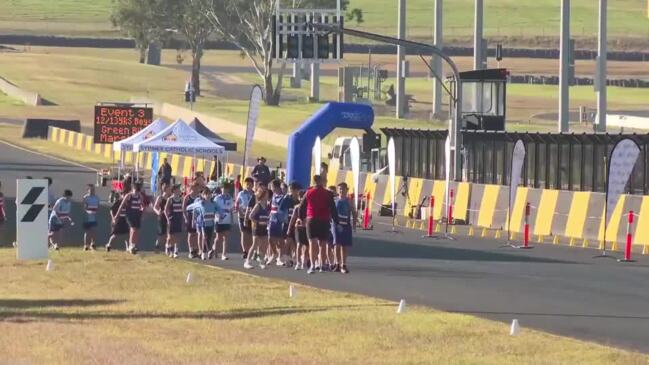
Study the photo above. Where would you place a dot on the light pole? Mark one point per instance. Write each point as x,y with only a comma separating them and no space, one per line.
600,82
478,51
401,58
437,61
564,66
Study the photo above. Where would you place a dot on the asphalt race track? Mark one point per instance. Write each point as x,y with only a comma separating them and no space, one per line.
557,289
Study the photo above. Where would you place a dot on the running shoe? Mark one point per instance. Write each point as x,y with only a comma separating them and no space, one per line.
107,248
86,248
262,265
133,250
344,269
93,247
224,258
310,271
279,263
210,254
203,256
247,265
321,269
297,267
190,255
245,255
175,255
55,247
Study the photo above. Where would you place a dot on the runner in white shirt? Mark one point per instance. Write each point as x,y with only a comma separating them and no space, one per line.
224,210
91,206
59,217
241,206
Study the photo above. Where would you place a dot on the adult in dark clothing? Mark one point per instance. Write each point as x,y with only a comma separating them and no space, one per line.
319,209
261,172
165,173
217,171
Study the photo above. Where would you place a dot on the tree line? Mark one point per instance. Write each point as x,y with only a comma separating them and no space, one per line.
243,23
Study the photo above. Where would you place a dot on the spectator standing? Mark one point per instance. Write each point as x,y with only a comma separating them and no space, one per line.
261,172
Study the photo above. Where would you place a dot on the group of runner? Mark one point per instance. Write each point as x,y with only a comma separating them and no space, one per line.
280,224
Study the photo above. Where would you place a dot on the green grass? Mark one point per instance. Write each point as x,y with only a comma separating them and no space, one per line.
6,101
116,308
526,18
504,18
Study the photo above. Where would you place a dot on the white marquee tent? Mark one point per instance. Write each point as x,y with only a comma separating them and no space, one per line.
181,139
149,131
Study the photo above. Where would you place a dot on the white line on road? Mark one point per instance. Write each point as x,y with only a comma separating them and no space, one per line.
49,156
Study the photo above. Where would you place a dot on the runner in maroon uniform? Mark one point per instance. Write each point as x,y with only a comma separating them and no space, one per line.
192,234
133,204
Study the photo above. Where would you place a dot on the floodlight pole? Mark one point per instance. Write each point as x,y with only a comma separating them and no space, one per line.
600,78
401,58
478,51
437,61
455,123
564,66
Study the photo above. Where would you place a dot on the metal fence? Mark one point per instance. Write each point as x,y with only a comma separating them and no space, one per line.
553,160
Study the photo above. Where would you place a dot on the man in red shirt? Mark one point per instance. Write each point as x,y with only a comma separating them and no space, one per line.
319,210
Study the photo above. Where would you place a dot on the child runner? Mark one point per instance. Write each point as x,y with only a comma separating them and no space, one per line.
331,256
175,217
343,231
297,229
259,217
192,234
134,205
204,211
288,205
251,205
276,223
241,205
224,210
159,209
59,217
118,219
90,205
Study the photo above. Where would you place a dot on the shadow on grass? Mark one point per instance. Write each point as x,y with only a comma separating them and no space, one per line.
16,316
40,303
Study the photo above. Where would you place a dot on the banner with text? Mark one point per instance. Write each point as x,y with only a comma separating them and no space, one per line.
114,123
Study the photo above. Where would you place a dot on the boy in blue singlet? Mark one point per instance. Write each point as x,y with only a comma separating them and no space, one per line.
224,209
342,233
90,206
244,197
204,211
59,217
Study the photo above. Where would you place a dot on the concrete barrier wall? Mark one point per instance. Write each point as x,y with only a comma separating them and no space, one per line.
27,97
575,217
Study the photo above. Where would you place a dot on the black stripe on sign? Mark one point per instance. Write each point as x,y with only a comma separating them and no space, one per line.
32,213
33,194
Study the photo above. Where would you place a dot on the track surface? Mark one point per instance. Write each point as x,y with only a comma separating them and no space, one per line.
557,289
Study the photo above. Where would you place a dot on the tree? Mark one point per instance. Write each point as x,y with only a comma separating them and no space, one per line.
247,25
141,20
196,29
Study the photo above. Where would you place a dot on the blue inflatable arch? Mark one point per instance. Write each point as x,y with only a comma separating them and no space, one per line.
325,120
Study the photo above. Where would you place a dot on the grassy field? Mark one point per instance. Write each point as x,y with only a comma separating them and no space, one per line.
506,18
115,308
76,79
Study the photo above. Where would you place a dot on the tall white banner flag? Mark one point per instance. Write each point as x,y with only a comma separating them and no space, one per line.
317,155
623,157
518,157
392,171
31,219
355,154
447,153
253,115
